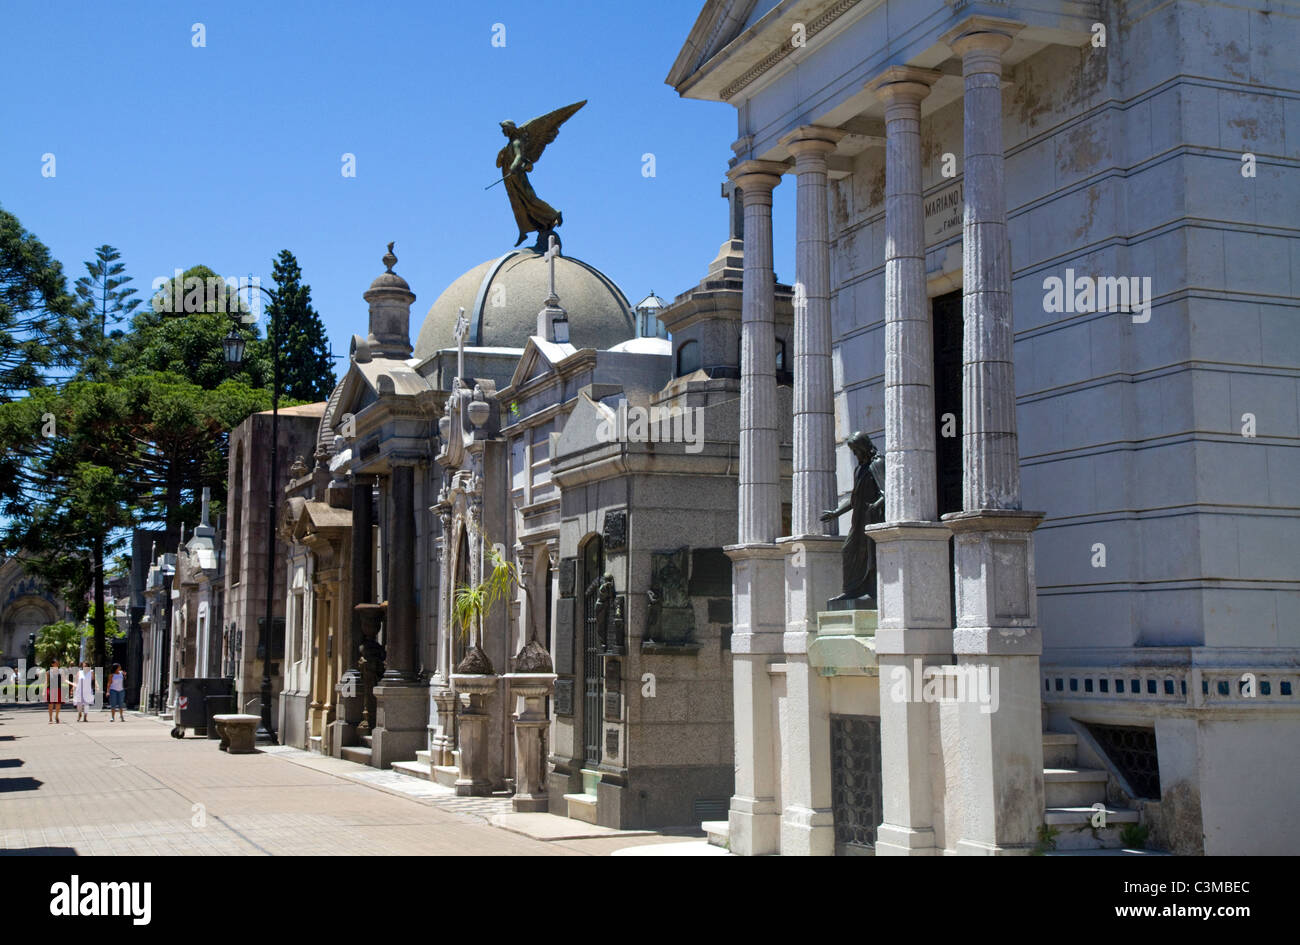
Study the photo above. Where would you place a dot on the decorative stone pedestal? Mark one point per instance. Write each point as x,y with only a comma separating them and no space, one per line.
914,627
530,740
238,733
758,587
813,575
442,741
472,729
845,644
402,723
997,641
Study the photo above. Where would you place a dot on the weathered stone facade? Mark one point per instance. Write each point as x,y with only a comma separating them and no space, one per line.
976,159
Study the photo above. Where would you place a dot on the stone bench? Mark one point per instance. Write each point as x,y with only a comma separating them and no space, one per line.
238,733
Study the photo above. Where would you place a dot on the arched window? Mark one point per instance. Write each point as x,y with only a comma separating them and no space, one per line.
688,358
779,364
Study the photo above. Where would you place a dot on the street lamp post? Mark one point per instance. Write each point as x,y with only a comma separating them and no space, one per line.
234,354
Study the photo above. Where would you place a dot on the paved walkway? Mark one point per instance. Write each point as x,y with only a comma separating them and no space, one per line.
100,788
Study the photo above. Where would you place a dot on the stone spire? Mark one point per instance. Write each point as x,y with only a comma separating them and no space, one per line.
390,301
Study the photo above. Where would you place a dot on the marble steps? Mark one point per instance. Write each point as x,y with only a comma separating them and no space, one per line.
413,769
581,807
1060,749
359,753
1073,787
718,833
1072,793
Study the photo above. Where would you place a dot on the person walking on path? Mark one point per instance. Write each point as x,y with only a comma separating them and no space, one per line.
54,684
83,693
117,694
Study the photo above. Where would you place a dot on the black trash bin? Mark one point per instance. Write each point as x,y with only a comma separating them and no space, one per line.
191,702
220,700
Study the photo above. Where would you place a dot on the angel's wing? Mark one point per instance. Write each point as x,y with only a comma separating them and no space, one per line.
540,132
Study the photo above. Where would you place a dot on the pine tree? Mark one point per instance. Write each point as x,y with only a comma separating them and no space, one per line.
38,316
107,300
306,371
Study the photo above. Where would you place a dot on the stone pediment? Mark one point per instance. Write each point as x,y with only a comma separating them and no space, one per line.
735,44
539,359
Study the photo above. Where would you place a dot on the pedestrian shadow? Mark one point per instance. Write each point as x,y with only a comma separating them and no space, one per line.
40,851
11,762
13,785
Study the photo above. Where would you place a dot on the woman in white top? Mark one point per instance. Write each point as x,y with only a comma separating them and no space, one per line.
83,693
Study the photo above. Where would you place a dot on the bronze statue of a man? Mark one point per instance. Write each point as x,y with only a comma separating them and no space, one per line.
868,504
524,148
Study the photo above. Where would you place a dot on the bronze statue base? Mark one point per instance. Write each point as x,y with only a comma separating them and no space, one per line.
866,602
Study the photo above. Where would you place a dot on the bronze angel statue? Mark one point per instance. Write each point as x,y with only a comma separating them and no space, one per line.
525,146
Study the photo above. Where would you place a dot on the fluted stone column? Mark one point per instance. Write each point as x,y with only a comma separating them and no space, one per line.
997,640
813,565
814,404
361,578
760,437
758,592
914,628
990,457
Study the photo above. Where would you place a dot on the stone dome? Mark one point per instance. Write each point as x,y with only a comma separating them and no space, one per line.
503,296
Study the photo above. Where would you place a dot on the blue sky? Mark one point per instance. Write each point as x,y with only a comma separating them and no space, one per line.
224,155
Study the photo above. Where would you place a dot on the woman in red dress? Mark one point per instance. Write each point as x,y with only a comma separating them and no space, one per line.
54,691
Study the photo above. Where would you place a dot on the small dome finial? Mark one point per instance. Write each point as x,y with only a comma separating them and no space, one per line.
389,259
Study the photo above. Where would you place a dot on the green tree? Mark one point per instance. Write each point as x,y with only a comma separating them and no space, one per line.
38,316
306,369
182,331
129,452
60,641
107,300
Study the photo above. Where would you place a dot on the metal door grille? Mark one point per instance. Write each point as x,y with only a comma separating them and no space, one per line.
1133,751
855,782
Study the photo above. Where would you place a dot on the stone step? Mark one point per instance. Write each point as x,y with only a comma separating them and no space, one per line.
1074,787
314,744
718,832
582,807
414,769
367,740
1060,749
424,756
358,753
446,775
1074,829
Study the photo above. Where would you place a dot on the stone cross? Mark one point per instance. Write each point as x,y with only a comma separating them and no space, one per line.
552,250
462,329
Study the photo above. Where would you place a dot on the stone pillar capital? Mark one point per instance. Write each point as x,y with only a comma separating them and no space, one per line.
756,179
903,84
812,142
989,34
